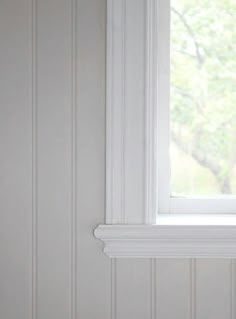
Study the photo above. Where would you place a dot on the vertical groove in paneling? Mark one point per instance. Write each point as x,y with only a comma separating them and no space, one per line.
193,288
73,159
113,288
233,287
153,288
34,156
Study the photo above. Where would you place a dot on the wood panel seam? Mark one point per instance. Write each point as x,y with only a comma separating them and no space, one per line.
34,159
153,288
113,289
193,289
73,159
233,287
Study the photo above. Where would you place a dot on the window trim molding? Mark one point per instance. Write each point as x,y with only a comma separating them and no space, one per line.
176,236
119,118
132,228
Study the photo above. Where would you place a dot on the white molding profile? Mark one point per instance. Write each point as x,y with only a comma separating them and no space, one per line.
178,236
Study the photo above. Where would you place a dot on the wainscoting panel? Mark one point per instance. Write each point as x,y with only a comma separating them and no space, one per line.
215,296
173,289
54,152
93,268
15,160
132,289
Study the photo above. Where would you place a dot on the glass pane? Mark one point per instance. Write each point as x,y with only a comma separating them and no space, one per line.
203,98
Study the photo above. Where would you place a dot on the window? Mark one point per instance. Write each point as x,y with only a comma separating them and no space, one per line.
203,98
166,104
199,134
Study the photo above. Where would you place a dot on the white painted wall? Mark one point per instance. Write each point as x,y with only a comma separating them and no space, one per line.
52,183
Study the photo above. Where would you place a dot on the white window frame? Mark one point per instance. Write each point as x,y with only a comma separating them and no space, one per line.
138,219
166,203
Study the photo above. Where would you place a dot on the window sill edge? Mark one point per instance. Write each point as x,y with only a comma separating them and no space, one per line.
210,236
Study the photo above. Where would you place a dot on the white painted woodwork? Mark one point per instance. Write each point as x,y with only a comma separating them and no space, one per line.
195,236
213,289
132,275
173,288
93,270
137,130
54,157
15,160
61,109
131,111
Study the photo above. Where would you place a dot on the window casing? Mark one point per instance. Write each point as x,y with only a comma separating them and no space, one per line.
139,219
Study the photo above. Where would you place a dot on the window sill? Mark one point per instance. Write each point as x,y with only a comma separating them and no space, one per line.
173,236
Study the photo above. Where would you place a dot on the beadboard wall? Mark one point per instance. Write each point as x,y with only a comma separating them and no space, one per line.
52,183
